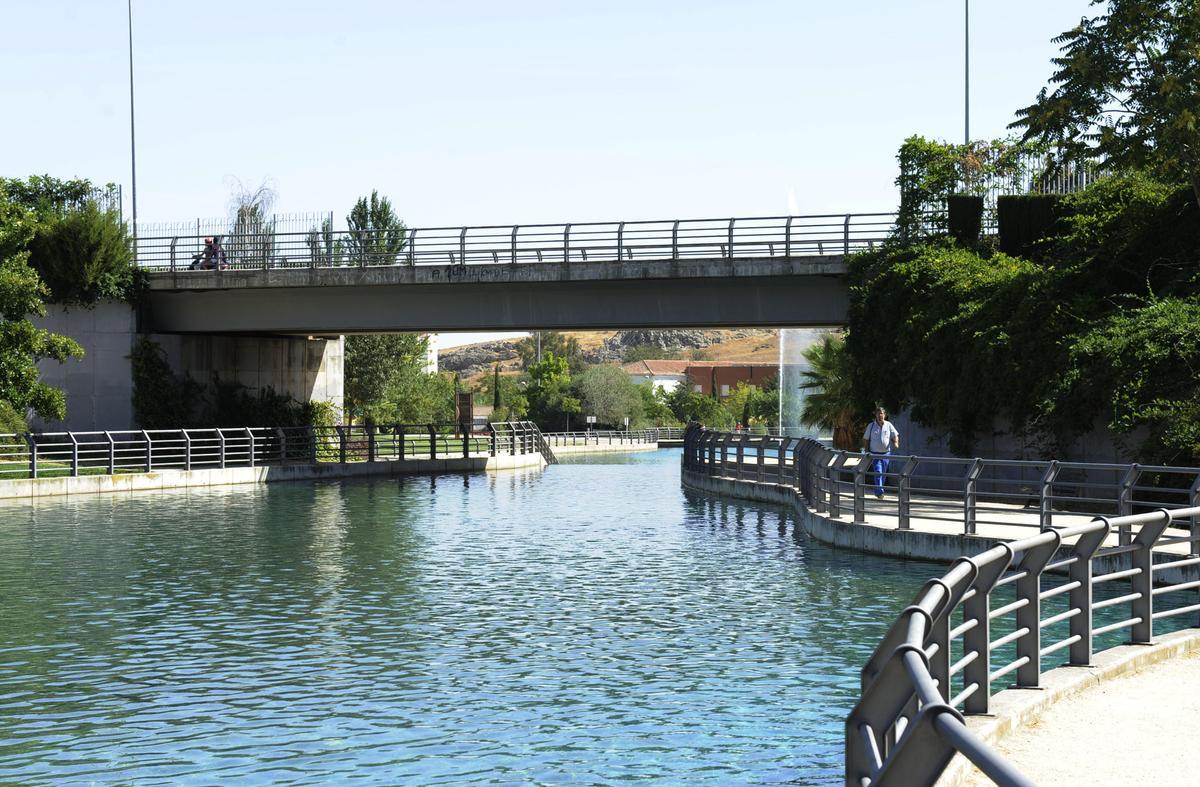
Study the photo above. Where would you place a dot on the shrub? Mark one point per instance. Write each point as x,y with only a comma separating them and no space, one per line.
966,218
85,255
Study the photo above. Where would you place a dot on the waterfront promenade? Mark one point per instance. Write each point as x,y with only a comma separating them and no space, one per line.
1070,566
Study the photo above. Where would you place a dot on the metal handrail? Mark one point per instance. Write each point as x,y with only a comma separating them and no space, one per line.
58,454
908,722
573,242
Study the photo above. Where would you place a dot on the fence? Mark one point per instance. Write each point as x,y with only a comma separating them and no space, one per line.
610,437
940,659
57,454
624,241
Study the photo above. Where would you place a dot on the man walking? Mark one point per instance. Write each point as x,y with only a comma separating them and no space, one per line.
880,438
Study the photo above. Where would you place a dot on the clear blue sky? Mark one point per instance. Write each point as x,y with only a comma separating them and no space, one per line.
473,112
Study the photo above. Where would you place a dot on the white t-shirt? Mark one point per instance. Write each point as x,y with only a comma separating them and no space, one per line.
880,438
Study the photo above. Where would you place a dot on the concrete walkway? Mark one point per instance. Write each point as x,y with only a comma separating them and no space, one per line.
1130,730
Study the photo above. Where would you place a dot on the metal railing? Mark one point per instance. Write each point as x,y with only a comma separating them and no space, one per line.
612,437
58,454
993,619
624,241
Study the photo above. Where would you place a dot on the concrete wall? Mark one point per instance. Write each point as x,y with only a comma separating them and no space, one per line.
305,369
99,386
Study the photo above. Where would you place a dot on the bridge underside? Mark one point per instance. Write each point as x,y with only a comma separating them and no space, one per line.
791,293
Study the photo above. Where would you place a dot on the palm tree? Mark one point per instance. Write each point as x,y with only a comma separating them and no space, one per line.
830,403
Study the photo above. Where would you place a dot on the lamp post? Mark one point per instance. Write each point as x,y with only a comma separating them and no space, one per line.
132,143
966,72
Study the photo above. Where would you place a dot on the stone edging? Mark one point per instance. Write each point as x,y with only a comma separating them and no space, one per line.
28,489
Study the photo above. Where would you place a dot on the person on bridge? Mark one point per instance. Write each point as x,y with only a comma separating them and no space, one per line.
211,258
880,438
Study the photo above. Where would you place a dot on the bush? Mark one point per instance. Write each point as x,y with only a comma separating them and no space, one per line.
11,421
966,218
1026,221
85,255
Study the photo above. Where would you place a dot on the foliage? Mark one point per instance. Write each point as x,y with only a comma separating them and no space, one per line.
551,401
750,405
371,362
85,255
497,396
22,344
414,397
377,235
650,352
965,217
607,393
561,345
161,399
656,407
1104,329
831,403
1025,221
508,390
251,239
1127,89
11,421
688,405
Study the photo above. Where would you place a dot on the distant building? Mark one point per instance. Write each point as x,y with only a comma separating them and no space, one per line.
431,354
666,375
704,376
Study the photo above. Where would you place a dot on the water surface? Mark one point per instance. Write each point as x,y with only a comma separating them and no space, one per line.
587,624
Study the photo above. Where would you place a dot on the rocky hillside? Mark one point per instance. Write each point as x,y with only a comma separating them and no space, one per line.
741,345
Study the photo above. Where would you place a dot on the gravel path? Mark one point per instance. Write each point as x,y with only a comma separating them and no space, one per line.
1133,730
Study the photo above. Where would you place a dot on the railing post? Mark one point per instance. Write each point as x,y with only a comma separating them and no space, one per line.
187,450
787,238
412,247
731,221
466,438
149,451
904,494
675,240
1125,501
1046,496
620,240
173,242
341,433
846,236
860,492
741,455
1080,596
312,444
762,458
250,442
833,475
1142,583
970,496
221,448
112,453
567,244
1029,617
977,639
401,442
432,441
491,440
462,247
33,465
283,453
74,454
370,442
782,453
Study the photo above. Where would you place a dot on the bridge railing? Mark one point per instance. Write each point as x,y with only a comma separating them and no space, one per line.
624,241
57,454
605,437
994,620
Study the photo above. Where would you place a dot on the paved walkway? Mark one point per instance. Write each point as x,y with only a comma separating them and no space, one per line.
1131,730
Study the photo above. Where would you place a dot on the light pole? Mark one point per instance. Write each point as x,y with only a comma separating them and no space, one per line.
132,142
966,72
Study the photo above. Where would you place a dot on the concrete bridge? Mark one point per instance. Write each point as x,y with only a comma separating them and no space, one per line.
736,272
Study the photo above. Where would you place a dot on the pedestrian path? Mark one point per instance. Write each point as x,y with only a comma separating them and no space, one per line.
1124,731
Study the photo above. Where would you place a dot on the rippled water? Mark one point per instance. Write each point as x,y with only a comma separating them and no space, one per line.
589,624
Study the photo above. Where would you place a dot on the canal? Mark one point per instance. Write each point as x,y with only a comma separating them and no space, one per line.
587,624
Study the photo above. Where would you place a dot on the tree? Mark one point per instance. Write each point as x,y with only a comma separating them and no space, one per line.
372,360
1127,89
377,235
251,239
561,345
607,393
84,255
414,397
496,398
22,344
831,403
550,399
689,405
655,405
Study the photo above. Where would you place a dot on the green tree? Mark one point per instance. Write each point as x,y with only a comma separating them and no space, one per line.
372,360
655,405
561,345
377,235
1127,88
22,344
84,255
831,403
551,403
414,397
497,400
690,405
607,393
